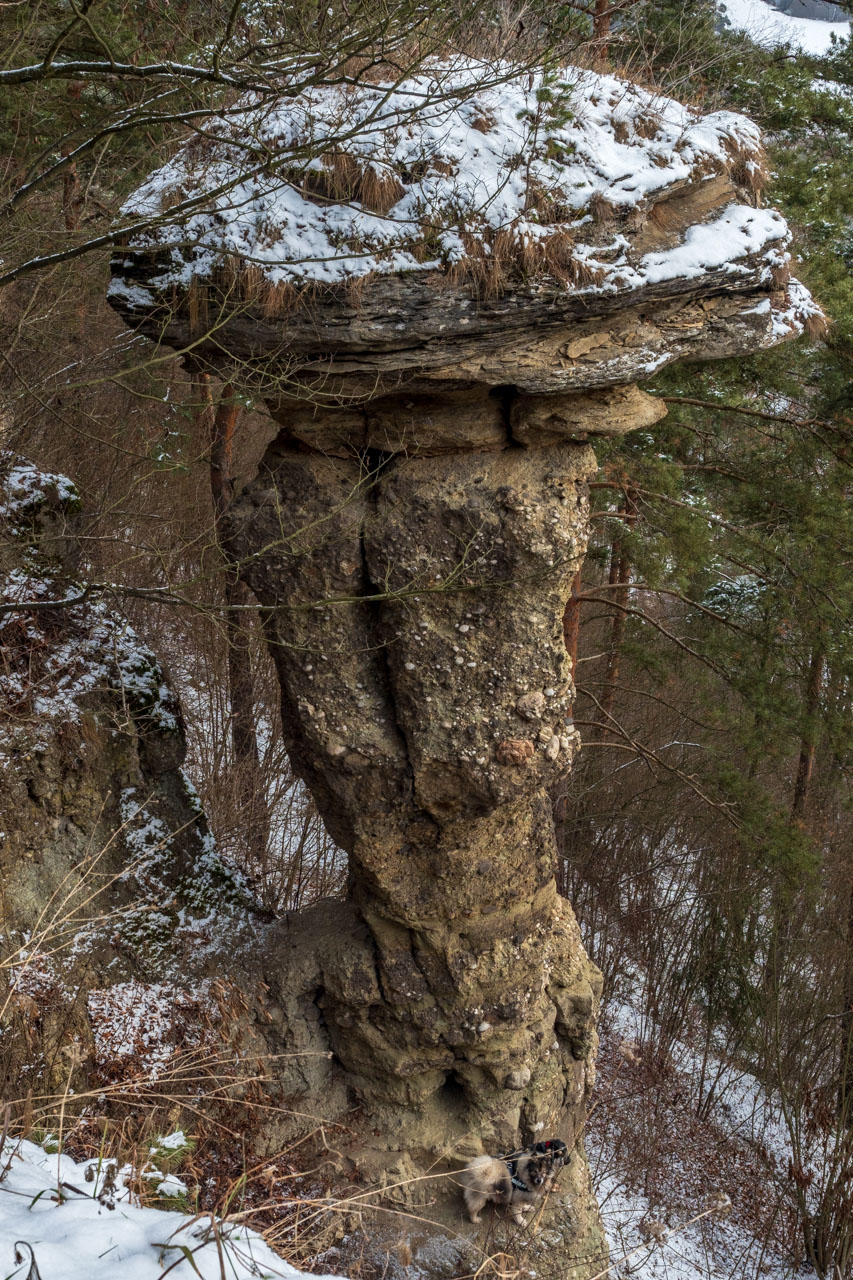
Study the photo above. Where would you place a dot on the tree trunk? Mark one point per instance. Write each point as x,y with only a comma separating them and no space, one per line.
618,579
601,28
805,768
221,421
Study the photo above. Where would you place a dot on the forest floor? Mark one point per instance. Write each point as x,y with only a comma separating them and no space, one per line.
62,1219
671,1134
659,1160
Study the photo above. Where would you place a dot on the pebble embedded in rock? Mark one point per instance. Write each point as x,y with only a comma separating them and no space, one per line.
515,751
531,705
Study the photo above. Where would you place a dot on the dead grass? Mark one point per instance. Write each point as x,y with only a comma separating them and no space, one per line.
748,169
600,208
645,1120
506,258
780,274
647,124
250,285
817,326
342,177
483,123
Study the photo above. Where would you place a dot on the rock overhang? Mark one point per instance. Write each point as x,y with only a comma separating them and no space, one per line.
461,231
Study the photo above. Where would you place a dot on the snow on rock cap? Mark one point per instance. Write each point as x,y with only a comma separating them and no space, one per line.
577,185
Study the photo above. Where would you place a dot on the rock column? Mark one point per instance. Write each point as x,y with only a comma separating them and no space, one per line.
413,602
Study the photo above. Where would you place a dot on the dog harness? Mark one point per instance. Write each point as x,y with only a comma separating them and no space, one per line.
514,1178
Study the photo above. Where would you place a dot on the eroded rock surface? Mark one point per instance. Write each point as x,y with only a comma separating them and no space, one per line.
108,872
427,691
414,609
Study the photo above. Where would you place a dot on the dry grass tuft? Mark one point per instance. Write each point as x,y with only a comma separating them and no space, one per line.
780,274
248,284
600,208
647,124
379,190
444,167
485,272
747,169
343,179
493,260
171,198
507,257
355,288
547,204
817,325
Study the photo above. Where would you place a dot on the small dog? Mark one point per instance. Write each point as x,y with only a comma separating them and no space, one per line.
486,1179
516,1181
531,1176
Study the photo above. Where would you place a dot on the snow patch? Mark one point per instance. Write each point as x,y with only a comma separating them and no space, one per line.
75,1221
768,27
458,163
131,295
24,488
140,1028
105,652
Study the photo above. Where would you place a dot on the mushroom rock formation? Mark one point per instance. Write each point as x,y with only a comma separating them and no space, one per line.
440,310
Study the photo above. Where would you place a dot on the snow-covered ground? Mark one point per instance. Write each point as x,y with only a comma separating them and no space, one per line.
60,1220
767,26
709,1248
659,1169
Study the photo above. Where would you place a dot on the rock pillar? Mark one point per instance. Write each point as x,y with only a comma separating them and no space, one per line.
413,603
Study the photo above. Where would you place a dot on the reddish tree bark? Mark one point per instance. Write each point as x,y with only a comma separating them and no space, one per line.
618,579
601,26
805,767
221,421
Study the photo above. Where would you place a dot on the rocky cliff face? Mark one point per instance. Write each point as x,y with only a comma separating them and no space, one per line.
108,872
440,314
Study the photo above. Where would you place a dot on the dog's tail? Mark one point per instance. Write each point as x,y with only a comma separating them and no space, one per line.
491,1175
